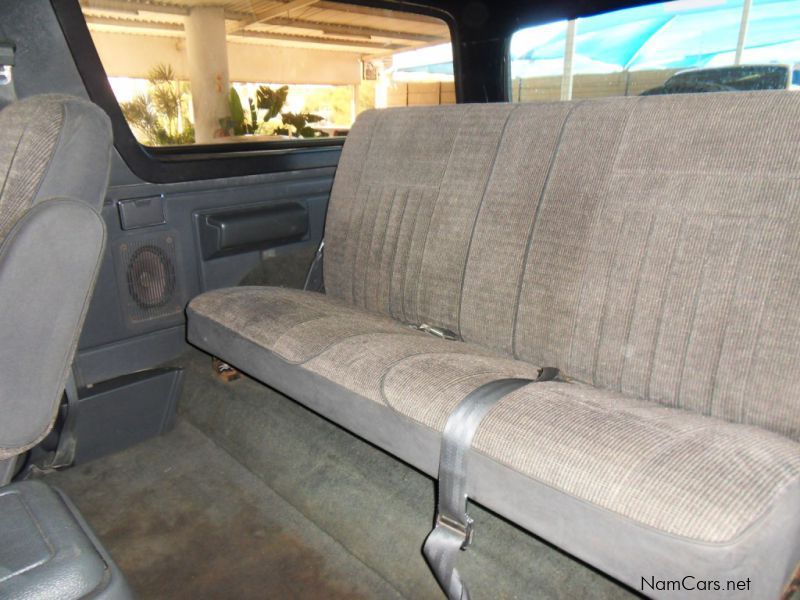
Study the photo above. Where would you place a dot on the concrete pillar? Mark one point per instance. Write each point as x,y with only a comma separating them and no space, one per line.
354,104
382,87
207,51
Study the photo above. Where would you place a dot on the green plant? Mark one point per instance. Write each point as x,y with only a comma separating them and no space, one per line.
271,102
159,115
268,100
238,123
336,102
296,124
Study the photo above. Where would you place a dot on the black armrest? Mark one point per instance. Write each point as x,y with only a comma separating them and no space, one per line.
258,228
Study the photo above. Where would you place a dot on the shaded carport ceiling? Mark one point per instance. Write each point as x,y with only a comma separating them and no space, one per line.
332,26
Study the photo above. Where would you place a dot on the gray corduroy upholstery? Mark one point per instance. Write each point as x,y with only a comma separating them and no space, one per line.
648,247
627,256
55,155
294,324
676,471
25,152
676,278
614,451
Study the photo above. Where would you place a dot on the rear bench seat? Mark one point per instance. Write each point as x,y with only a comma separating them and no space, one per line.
648,247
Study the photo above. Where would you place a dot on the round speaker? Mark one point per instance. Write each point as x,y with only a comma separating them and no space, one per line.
151,277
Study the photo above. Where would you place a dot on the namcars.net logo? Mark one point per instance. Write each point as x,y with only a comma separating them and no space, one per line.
690,583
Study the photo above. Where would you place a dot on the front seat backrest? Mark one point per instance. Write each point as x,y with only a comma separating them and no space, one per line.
55,155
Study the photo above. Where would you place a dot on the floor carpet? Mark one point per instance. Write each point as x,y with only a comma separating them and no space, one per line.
254,496
184,520
377,507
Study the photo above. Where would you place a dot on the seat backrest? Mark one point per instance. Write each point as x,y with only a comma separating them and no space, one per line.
55,155
51,146
408,193
647,245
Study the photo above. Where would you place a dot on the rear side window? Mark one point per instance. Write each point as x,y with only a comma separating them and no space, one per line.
190,71
687,46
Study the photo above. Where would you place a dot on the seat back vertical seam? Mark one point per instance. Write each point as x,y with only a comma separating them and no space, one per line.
393,252
478,213
597,214
464,116
534,222
354,200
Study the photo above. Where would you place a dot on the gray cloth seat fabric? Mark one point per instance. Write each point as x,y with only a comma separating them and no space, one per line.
294,324
345,345
620,546
55,156
647,247
636,445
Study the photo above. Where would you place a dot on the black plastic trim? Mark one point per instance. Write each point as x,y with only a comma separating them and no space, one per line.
206,161
226,232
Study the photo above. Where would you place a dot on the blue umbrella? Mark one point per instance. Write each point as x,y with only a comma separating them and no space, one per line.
671,35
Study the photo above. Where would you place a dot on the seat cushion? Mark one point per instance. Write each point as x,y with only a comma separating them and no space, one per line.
677,471
294,324
352,347
672,469
631,486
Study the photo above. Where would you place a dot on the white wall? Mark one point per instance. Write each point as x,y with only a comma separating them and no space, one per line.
126,55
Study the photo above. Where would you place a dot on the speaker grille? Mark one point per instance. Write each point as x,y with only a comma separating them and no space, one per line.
148,266
151,277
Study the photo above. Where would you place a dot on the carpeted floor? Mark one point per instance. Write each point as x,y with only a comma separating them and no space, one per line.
184,520
253,496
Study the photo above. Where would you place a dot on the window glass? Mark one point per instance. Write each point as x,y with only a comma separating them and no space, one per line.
686,46
194,71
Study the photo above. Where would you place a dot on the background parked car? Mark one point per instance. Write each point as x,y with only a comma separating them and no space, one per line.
729,79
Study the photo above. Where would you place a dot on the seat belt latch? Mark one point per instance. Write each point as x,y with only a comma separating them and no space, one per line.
465,530
439,332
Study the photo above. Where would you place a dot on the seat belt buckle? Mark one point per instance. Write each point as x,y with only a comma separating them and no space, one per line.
439,332
464,530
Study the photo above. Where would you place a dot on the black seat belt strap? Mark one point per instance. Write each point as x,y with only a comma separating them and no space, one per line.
452,531
67,441
42,461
